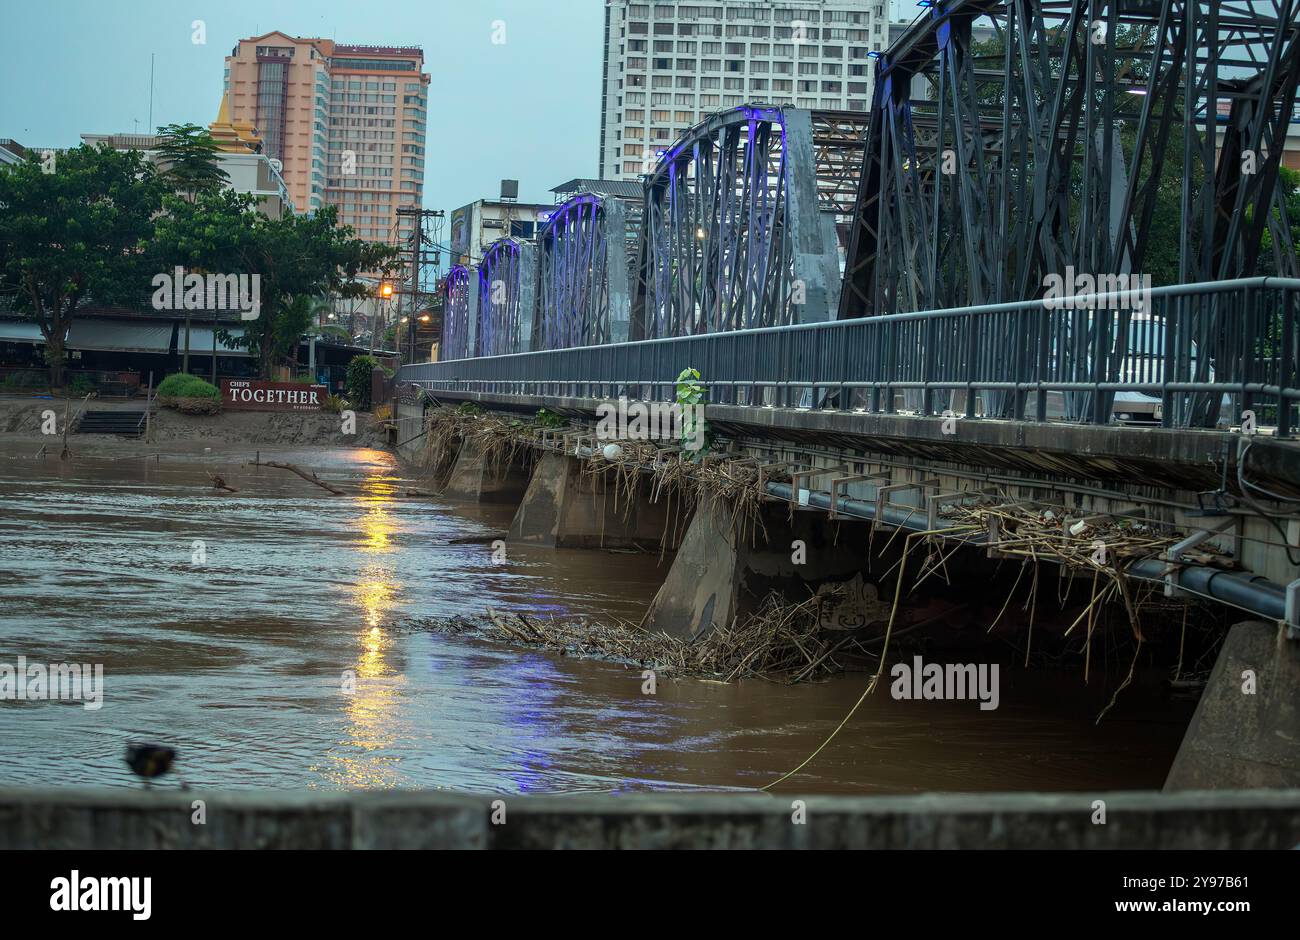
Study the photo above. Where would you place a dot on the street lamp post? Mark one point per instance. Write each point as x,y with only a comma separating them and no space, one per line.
385,294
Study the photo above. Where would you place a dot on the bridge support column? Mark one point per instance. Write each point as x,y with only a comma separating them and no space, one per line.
410,421
566,507
719,575
476,479
1246,730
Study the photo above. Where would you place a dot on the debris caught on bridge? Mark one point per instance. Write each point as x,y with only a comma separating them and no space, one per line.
785,638
779,641
732,487
447,430
674,475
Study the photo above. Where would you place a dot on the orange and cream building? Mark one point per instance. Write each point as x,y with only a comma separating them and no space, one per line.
347,124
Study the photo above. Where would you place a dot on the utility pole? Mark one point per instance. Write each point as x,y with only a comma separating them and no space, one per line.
418,241
417,235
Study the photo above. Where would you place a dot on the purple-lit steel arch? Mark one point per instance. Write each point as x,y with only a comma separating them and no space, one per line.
732,236
582,270
506,292
460,314
990,168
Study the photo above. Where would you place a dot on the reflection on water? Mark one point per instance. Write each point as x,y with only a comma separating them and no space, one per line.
372,689
372,695
280,660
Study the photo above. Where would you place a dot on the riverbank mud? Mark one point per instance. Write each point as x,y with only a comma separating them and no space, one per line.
22,420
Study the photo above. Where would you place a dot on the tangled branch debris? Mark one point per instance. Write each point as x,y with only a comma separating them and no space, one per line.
447,430
784,638
779,639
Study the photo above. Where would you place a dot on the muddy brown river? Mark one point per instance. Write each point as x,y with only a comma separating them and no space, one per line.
236,651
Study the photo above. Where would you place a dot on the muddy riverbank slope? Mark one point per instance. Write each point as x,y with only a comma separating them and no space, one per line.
22,417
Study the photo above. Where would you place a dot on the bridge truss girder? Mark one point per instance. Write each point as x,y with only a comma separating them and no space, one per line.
460,314
732,236
507,285
1056,148
582,264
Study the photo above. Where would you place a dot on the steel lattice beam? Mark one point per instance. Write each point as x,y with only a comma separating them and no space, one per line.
1051,154
1059,144
460,314
506,297
732,236
582,292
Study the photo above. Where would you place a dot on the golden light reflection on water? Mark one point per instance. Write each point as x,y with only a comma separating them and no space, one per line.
377,525
371,710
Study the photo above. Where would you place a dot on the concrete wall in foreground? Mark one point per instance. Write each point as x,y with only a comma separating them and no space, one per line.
138,819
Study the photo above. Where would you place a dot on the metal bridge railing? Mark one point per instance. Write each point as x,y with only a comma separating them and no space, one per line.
1198,355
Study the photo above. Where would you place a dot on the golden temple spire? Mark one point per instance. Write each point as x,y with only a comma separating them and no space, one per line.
234,136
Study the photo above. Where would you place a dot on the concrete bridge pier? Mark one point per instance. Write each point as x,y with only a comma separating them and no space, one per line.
724,571
1245,733
477,478
409,412
566,506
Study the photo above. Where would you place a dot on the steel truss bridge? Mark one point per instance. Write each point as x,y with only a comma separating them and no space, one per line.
1088,144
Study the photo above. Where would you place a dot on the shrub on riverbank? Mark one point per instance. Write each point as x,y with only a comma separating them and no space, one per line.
189,394
358,381
79,387
25,380
334,404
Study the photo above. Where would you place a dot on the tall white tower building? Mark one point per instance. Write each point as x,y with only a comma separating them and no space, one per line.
670,64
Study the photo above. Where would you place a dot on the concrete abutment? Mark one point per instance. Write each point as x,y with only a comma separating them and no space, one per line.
727,566
1245,733
478,478
567,506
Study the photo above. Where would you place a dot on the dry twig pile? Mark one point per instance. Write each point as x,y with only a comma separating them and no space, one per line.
779,639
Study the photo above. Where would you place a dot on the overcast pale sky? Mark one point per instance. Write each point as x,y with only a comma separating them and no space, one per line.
527,109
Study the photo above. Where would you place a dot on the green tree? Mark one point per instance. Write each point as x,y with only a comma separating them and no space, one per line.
188,159
307,310
75,234
300,256
298,260
1288,184
360,370
203,233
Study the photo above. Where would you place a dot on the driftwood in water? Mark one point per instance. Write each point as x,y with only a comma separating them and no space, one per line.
309,477
219,483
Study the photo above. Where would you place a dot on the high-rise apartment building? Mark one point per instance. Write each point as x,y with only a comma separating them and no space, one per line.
670,64
346,122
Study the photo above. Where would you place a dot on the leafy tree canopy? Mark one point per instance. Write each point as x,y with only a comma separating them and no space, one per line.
75,234
188,158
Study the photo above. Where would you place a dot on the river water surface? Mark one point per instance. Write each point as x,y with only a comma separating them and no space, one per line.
235,651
